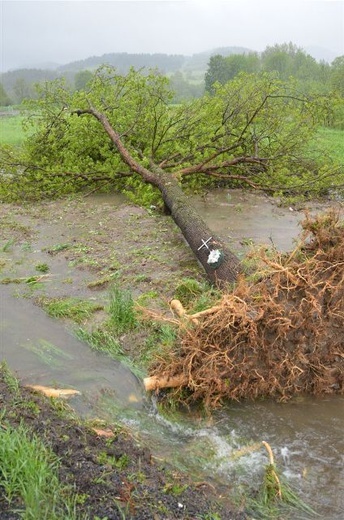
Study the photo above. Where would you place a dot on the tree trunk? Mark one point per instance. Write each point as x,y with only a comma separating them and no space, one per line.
196,232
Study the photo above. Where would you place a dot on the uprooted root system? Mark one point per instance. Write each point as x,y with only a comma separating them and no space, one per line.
279,336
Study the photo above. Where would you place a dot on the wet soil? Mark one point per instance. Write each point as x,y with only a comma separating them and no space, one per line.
141,487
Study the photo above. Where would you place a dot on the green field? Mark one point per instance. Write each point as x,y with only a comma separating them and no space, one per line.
332,142
11,129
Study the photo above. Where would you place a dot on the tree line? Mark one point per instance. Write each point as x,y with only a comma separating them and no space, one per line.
286,60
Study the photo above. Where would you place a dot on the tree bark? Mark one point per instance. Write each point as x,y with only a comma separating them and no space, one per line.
196,232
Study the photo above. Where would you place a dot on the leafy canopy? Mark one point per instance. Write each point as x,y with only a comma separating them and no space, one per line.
254,129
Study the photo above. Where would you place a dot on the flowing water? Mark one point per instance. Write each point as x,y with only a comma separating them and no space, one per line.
306,434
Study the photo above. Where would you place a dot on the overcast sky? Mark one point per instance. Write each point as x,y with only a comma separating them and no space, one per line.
35,32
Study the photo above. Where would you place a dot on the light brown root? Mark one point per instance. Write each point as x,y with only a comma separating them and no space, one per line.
54,392
157,382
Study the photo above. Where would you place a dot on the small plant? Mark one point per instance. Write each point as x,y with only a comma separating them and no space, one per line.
42,268
8,245
27,247
210,516
73,308
175,489
110,460
122,316
58,248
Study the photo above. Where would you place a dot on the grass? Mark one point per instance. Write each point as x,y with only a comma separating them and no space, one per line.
48,353
332,142
122,316
74,309
195,295
11,381
11,130
7,246
29,472
276,499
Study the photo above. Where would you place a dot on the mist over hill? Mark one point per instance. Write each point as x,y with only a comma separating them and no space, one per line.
18,83
188,71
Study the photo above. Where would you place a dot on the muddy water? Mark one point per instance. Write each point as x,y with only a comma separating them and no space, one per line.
243,218
306,434
42,352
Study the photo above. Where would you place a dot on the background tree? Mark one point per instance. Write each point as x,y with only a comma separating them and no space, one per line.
82,78
254,130
5,101
222,69
22,90
337,75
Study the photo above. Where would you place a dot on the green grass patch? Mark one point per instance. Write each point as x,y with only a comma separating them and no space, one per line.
122,316
11,130
8,245
42,268
72,308
48,353
331,142
159,342
10,380
29,472
101,340
196,296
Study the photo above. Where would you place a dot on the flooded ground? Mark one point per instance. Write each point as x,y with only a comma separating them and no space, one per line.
85,241
246,218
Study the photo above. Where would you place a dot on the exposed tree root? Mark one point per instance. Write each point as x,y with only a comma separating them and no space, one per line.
280,336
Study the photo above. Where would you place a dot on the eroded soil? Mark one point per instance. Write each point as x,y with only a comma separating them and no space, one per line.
141,487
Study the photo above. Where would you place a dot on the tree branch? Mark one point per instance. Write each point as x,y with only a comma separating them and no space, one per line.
147,175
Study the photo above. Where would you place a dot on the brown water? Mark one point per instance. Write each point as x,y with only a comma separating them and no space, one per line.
306,434
243,218
41,351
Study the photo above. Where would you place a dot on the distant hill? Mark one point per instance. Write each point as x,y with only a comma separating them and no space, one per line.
123,61
167,63
19,83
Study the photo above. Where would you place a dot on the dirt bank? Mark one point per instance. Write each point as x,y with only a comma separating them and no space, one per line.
113,477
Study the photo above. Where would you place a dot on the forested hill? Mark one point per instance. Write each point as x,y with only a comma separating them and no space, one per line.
167,63
189,75
123,61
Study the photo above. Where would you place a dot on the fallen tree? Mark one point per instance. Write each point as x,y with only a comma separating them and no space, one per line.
124,133
279,336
